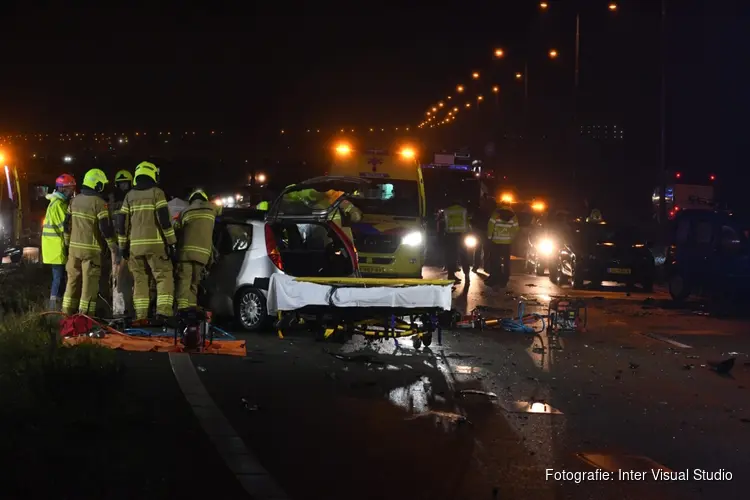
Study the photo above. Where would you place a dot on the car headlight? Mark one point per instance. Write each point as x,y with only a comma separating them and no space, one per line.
546,247
413,239
471,241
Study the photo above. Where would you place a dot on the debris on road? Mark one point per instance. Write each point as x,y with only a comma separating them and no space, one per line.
476,392
722,367
634,366
692,356
688,366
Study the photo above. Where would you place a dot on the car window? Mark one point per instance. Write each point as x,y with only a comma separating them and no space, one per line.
229,238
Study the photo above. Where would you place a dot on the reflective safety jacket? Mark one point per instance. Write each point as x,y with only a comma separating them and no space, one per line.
144,225
195,230
88,228
53,229
456,219
502,227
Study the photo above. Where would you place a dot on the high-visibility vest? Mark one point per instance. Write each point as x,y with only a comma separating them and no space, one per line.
263,205
456,219
53,229
500,230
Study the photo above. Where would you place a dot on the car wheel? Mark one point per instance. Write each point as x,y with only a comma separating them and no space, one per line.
679,289
16,257
561,278
577,279
553,272
250,309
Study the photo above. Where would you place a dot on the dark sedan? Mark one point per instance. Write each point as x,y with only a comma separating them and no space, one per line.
602,252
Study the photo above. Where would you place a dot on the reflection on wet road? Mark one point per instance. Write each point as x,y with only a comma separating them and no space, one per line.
485,414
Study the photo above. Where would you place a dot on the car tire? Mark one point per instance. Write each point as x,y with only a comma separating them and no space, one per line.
576,280
16,258
527,265
553,272
560,277
539,269
679,288
250,309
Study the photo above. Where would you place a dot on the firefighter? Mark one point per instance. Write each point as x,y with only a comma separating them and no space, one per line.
54,251
88,233
122,280
195,242
502,229
456,224
148,242
595,217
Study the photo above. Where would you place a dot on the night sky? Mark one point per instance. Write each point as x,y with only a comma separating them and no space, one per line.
372,65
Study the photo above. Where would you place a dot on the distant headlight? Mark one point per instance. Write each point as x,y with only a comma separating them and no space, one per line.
412,239
471,241
546,247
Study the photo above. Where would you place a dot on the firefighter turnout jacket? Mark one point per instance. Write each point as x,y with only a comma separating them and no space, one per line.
456,219
143,224
502,226
196,229
88,226
53,229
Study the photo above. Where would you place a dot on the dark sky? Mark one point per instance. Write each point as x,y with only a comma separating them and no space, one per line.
368,64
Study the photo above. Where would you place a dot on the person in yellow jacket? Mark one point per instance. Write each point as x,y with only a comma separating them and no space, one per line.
456,224
195,229
88,233
502,229
54,252
147,240
122,280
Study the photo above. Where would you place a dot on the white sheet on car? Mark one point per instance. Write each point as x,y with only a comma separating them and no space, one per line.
286,294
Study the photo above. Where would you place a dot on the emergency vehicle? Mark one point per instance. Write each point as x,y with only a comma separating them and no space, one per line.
686,192
390,238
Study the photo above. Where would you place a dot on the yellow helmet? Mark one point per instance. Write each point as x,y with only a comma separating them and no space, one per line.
148,169
95,179
198,193
123,176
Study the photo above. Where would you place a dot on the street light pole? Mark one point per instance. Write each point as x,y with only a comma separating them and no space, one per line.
663,117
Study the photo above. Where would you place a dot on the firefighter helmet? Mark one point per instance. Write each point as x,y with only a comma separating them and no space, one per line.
95,179
65,180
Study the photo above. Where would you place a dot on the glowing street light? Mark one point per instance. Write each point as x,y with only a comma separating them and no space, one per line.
495,89
468,104
261,178
460,88
343,149
455,109
612,6
475,75
441,104
553,54
499,53
434,109
543,5
519,76
480,98
428,114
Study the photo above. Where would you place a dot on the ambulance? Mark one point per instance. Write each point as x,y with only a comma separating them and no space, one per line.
390,237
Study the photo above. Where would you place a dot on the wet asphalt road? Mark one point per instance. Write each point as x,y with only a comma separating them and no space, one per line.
394,424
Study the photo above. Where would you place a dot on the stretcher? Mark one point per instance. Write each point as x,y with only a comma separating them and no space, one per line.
378,308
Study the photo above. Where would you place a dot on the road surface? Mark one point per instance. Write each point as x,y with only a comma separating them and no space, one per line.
634,392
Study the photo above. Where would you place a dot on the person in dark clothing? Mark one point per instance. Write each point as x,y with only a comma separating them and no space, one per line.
479,222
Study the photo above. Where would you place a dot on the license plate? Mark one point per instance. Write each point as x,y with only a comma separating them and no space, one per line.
618,270
371,269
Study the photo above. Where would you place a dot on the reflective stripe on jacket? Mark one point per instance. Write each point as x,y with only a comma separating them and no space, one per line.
196,230
144,226
456,219
502,227
53,229
88,226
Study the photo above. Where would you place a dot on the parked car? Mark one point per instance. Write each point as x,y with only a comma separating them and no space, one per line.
293,238
603,252
709,252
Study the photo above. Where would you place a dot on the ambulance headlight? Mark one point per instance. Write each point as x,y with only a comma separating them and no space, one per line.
471,241
413,239
546,247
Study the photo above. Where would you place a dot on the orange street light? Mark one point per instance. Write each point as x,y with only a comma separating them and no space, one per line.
553,54
543,5
519,76
612,6
495,89
428,114
449,98
475,75
434,109
468,104
455,109
480,98
441,104
499,53
460,88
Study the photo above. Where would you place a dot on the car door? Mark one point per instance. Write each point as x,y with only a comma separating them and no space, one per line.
231,240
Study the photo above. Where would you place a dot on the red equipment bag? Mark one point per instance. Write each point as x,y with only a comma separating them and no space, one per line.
76,325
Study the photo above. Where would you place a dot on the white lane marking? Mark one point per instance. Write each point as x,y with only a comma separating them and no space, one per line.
254,479
656,336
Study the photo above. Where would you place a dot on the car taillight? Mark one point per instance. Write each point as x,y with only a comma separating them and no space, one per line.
348,245
272,250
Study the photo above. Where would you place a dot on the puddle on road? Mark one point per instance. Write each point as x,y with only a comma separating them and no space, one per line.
538,407
414,398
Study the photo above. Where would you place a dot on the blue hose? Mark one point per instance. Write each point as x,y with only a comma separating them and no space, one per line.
139,332
519,325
